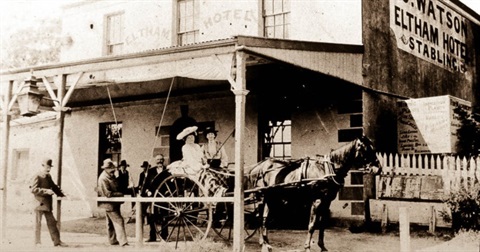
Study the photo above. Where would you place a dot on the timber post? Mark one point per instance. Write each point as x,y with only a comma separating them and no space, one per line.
62,79
240,93
5,144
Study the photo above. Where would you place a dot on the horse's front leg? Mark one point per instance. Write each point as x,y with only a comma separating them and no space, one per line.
323,213
311,224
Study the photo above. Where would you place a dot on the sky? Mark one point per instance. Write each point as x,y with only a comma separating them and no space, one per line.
15,14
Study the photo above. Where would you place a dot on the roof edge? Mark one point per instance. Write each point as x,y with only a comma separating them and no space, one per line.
298,45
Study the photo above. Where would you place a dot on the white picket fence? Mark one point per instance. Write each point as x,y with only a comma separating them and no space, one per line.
455,171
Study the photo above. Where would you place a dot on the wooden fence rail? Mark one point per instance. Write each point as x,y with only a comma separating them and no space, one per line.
454,170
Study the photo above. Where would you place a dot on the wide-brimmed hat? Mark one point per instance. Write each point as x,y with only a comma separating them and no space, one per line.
108,164
124,163
47,161
210,130
187,131
144,164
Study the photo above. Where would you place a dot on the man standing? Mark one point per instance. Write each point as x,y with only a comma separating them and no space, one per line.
108,187
141,178
43,188
155,175
125,181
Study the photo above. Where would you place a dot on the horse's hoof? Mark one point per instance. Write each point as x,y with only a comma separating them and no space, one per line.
267,248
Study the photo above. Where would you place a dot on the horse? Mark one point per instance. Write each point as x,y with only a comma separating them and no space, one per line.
324,176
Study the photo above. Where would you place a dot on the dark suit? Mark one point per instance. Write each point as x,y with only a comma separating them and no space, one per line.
151,183
141,181
41,182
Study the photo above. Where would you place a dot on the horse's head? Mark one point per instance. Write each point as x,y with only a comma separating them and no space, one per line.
358,154
366,156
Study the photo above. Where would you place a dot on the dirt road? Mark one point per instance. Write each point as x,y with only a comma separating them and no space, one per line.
89,235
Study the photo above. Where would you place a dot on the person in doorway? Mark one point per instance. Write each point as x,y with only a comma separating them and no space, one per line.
108,187
138,189
155,175
141,177
213,150
43,188
125,182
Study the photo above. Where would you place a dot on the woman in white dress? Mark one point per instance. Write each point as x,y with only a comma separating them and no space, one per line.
194,163
193,159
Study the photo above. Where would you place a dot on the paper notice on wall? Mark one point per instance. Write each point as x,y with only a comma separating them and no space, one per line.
428,125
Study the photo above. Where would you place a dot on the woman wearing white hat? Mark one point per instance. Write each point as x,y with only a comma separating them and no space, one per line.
193,159
195,163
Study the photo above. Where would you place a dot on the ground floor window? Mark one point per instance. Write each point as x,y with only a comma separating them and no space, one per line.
110,142
278,139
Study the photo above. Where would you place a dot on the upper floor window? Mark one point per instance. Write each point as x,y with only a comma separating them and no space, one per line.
276,14
187,22
114,33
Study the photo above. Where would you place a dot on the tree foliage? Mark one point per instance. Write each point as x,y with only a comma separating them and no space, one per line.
468,144
34,45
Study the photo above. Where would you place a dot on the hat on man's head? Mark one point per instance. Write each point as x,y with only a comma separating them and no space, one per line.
108,164
144,164
210,130
187,131
47,161
124,163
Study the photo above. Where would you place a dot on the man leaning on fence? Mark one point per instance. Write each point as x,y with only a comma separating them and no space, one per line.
108,187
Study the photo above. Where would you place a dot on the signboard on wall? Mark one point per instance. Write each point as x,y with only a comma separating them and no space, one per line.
432,31
429,125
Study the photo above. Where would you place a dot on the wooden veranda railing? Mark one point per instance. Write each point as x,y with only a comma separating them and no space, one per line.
454,170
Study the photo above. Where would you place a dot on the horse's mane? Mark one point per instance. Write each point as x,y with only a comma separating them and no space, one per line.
340,155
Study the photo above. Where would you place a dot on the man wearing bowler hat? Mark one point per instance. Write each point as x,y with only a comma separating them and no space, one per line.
108,187
43,188
155,175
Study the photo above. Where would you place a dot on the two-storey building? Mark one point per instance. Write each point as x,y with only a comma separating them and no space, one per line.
318,74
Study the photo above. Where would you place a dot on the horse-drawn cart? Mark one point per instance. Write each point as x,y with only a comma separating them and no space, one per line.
320,177
185,220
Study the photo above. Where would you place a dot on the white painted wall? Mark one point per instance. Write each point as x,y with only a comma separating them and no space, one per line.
331,21
314,132
149,24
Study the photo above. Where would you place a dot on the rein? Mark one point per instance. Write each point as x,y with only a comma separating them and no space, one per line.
219,148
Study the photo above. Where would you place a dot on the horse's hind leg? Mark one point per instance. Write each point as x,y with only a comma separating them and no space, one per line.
311,224
263,227
263,239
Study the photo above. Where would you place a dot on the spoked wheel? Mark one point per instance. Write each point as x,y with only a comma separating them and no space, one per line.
182,221
223,219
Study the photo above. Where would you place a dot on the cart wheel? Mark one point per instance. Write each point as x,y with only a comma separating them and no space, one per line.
223,221
182,221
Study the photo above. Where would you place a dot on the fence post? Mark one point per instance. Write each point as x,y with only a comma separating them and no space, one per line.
404,230
384,218
433,220
138,223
